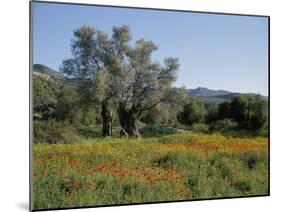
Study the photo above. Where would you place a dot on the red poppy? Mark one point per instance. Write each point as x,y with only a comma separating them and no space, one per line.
114,163
72,181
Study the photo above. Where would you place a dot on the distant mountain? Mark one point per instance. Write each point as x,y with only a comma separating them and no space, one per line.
57,76
48,73
209,96
205,92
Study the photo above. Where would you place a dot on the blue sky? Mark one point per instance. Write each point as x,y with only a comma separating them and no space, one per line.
215,51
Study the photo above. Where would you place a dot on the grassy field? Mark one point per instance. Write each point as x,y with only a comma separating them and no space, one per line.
174,167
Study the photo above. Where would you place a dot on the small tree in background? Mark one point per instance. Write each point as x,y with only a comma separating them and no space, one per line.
67,104
224,110
211,114
238,111
256,115
193,112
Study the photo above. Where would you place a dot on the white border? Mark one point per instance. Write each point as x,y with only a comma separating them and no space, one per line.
14,118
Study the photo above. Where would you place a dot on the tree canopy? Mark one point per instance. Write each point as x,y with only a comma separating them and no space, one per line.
112,70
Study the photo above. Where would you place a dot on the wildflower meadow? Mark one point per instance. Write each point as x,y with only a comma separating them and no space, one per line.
167,168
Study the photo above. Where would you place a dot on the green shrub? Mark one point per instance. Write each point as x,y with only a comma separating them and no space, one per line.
52,132
224,125
89,132
251,160
263,132
90,117
200,128
157,131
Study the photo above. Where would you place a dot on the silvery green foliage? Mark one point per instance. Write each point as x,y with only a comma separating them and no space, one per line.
89,51
111,67
140,81
113,70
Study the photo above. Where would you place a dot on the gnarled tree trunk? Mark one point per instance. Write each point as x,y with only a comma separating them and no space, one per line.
106,120
128,120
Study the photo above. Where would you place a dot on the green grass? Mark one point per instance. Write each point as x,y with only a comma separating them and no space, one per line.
174,167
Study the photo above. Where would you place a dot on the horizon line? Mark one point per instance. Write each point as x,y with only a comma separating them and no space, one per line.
177,86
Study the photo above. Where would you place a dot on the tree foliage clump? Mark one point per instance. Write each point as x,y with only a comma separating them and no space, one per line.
249,113
44,98
54,101
224,125
193,112
67,104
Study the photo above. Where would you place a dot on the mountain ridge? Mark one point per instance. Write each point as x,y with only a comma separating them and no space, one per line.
205,94
201,91
48,71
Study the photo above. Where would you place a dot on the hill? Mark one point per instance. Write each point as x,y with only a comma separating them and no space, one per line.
205,92
208,96
56,76
48,73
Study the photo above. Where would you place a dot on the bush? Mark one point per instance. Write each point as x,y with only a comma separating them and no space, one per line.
89,132
157,131
200,128
67,105
52,132
263,132
90,117
251,160
224,125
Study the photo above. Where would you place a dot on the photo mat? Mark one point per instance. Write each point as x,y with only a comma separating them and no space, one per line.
139,105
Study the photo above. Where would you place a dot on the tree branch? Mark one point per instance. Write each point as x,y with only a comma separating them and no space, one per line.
154,104
97,63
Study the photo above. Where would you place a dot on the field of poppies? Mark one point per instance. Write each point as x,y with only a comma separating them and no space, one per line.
174,167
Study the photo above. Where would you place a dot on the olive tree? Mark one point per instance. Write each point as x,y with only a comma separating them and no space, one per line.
112,70
89,51
138,83
142,84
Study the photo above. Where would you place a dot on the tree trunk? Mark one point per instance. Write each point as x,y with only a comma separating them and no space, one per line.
106,120
128,121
